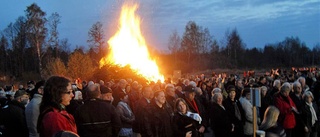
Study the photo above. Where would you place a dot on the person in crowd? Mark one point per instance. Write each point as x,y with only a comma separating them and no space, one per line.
296,97
106,94
220,121
247,107
32,110
158,118
185,123
235,112
53,117
202,98
126,115
214,91
138,126
196,107
179,92
266,100
239,88
287,109
275,88
96,117
310,115
262,81
120,88
31,85
304,86
170,95
134,94
76,101
12,118
270,125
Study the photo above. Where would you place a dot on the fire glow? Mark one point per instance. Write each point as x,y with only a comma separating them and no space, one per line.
128,46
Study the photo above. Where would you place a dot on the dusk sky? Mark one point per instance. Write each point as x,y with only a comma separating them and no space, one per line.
258,22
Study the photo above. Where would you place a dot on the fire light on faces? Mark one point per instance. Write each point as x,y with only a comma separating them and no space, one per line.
128,47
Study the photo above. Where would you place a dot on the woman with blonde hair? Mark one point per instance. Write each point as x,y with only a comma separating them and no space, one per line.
269,123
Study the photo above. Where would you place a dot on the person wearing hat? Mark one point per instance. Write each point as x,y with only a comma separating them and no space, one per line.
235,112
32,110
13,116
195,106
97,118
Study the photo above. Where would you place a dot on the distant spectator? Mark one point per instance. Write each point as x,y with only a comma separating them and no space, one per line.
32,110
13,116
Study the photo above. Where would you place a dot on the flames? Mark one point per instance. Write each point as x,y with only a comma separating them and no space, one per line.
128,46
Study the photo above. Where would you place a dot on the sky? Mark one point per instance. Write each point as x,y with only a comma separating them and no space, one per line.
258,22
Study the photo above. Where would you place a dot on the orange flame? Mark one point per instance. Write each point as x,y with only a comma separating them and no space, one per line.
128,47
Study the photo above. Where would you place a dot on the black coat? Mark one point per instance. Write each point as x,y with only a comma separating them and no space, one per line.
138,111
230,108
183,124
203,113
220,122
96,118
158,121
14,120
306,115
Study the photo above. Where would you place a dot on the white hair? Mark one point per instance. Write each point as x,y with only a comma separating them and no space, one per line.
77,94
193,84
276,83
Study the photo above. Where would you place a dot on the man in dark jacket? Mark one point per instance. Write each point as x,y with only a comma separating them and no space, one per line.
138,111
13,116
97,118
158,118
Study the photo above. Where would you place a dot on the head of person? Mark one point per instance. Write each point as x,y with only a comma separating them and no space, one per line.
217,98
106,93
277,83
246,93
302,81
159,97
264,91
198,91
147,92
78,95
308,97
297,89
263,80
30,85
39,87
239,83
190,92
122,83
169,88
124,97
270,117
215,90
22,96
135,86
57,93
181,106
285,89
128,88
231,92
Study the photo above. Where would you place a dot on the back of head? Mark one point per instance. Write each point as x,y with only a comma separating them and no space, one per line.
66,134
93,91
270,117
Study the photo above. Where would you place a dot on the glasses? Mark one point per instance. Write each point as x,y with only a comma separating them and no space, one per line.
69,92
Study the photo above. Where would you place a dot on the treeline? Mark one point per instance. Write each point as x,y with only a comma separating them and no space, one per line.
197,50
30,48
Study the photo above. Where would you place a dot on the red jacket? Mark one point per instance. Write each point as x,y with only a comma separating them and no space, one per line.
286,117
55,121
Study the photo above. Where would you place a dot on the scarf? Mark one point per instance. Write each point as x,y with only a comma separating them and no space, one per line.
125,105
194,116
313,113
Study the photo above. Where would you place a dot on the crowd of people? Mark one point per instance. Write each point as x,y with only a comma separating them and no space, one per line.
191,107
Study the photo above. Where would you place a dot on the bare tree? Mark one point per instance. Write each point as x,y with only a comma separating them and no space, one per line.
54,21
96,37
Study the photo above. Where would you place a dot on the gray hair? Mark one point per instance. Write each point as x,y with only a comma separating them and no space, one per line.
276,83
285,87
307,94
215,97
